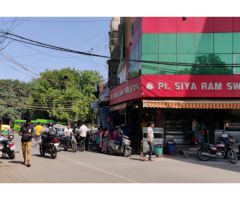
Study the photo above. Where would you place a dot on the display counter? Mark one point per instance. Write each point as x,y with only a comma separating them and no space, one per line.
179,131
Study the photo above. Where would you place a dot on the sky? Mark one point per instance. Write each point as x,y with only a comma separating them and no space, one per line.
59,31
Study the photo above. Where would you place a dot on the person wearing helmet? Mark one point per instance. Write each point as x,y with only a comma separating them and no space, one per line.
45,131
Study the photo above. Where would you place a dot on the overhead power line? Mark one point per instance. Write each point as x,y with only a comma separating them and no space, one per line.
36,43
70,21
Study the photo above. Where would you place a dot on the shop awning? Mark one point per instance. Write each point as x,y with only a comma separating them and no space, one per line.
118,107
193,104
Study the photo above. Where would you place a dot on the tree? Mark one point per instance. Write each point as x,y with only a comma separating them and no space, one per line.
207,59
70,90
9,98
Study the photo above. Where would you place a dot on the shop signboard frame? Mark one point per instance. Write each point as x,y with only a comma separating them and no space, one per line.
177,86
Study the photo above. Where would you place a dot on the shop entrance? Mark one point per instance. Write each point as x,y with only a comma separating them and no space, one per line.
178,123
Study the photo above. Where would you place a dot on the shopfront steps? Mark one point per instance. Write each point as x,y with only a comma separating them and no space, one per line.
187,151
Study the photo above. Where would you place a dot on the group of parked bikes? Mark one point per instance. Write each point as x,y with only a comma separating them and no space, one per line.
53,143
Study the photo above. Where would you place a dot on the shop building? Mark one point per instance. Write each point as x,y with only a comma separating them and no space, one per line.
173,94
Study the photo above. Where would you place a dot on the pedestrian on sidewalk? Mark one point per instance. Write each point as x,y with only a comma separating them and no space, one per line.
202,130
98,139
150,138
105,139
82,134
26,132
38,130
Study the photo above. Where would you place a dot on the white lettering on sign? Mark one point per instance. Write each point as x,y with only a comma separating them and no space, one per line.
218,86
204,86
126,90
236,86
177,86
229,86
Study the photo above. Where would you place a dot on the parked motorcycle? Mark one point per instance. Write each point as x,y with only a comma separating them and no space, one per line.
49,146
207,151
7,147
115,147
72,143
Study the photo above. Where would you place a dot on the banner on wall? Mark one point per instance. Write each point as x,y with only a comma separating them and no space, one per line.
106,117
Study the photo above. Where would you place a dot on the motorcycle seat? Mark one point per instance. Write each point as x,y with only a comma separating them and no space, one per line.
116,142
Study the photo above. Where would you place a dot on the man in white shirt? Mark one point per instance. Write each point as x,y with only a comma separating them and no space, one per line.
82,134
67,133
150,138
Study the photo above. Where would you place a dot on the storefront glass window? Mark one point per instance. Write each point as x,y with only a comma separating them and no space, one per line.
222,42
185,43
167,43
167,69
204,42
149,43
150,68
223,59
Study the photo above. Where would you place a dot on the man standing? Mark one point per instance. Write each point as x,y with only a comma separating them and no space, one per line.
39,129
26,132
150,138
82,134
67,133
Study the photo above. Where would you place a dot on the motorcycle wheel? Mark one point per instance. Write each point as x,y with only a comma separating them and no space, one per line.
54,153
127,152
42,151
74,146
233,157
11,154
109,151
201,157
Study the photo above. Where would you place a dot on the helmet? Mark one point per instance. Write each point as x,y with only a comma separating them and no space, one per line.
50,124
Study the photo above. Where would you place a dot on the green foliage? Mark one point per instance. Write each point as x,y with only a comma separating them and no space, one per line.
13,97
73,86
207,59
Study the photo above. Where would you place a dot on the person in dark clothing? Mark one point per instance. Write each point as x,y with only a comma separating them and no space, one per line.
27,132
87,140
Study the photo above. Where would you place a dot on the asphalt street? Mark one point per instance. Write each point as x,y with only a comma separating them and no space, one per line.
91,167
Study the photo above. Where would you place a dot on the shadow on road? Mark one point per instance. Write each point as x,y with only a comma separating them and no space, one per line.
15,162
46,156
138,159
218,163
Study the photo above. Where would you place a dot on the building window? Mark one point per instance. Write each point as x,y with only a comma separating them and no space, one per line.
236,60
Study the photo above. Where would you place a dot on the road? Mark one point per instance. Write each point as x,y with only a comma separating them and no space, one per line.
90,167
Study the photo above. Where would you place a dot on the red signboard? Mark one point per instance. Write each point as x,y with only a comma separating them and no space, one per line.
213,86
131,89
191,86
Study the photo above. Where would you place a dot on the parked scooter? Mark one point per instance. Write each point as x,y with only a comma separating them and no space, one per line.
206,150
72,143
7,147
123,147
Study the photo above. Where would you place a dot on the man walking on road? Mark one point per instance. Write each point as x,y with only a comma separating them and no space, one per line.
67,133
82,134
26,132
39,129
150,138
